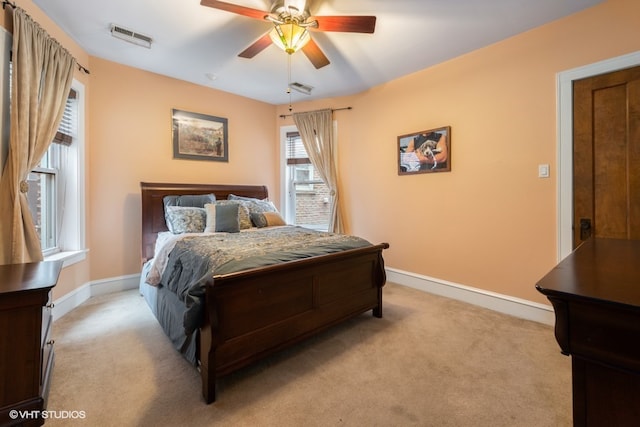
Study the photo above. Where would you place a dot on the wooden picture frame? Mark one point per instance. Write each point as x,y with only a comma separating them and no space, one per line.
199,136
427,151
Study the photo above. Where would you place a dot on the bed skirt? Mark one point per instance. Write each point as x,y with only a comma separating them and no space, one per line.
169,311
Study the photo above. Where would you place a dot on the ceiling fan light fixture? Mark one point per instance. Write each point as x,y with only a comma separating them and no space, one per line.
290,36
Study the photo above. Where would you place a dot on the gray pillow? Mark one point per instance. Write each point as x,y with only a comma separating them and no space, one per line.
190,200
222,218
227,218
243,212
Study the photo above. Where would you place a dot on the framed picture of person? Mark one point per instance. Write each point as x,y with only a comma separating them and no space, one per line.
427,151
199,136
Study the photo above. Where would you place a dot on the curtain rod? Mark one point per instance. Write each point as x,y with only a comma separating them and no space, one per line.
6,3
282,116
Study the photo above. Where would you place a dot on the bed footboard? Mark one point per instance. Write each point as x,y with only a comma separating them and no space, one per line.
254,313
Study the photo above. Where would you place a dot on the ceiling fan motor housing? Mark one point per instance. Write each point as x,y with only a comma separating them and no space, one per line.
295,10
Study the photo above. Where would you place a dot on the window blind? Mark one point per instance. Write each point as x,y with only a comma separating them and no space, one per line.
68,125
296,153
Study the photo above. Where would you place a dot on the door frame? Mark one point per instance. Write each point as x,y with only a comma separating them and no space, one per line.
564,176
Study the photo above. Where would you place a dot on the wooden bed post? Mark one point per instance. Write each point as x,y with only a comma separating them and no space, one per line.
381,279
207,365
377,311
208,344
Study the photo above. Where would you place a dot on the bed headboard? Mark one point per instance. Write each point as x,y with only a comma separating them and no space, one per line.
153,220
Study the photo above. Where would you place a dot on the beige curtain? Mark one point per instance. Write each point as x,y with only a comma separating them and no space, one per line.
41,79
316,131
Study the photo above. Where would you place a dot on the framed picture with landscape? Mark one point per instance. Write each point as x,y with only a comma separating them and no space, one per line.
426,151
199,136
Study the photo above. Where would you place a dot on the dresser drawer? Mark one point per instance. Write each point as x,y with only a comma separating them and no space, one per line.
596,334
46,319
46,346
47,354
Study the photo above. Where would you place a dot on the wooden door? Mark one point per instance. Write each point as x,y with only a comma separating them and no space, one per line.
606,156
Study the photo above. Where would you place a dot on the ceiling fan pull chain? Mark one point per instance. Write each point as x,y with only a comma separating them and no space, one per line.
289,80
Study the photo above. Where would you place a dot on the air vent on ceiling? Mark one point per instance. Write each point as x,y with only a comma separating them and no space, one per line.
131,36
302,88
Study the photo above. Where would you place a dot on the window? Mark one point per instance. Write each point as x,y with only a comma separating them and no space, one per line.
56,185
299,162
42,198
47,181
307,196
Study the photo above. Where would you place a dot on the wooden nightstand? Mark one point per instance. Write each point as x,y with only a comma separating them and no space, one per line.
26,347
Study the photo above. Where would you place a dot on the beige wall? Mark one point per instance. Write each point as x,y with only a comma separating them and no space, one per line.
491,222
131,142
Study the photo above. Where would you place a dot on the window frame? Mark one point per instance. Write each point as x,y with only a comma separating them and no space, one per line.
48,225
291,185
72,233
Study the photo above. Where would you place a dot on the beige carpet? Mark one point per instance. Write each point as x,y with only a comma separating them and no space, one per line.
430,361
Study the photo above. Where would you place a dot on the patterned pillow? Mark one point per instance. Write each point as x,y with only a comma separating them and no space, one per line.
182,219
255,205
185,200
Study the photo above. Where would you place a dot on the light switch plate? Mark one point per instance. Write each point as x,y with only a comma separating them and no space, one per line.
543,171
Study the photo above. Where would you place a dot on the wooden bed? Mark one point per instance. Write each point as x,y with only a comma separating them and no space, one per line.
253,313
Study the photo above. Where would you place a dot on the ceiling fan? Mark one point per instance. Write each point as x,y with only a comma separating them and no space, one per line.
291,24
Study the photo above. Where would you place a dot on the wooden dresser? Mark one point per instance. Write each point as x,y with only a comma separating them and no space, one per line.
26,347
595,293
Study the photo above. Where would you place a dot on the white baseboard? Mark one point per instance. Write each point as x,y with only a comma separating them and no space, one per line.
73,299
498,302
68,302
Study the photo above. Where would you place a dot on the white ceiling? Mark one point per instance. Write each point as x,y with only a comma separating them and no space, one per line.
191,41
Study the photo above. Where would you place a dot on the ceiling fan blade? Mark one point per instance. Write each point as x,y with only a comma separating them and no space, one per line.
234,8
315,55
345,24
257,47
